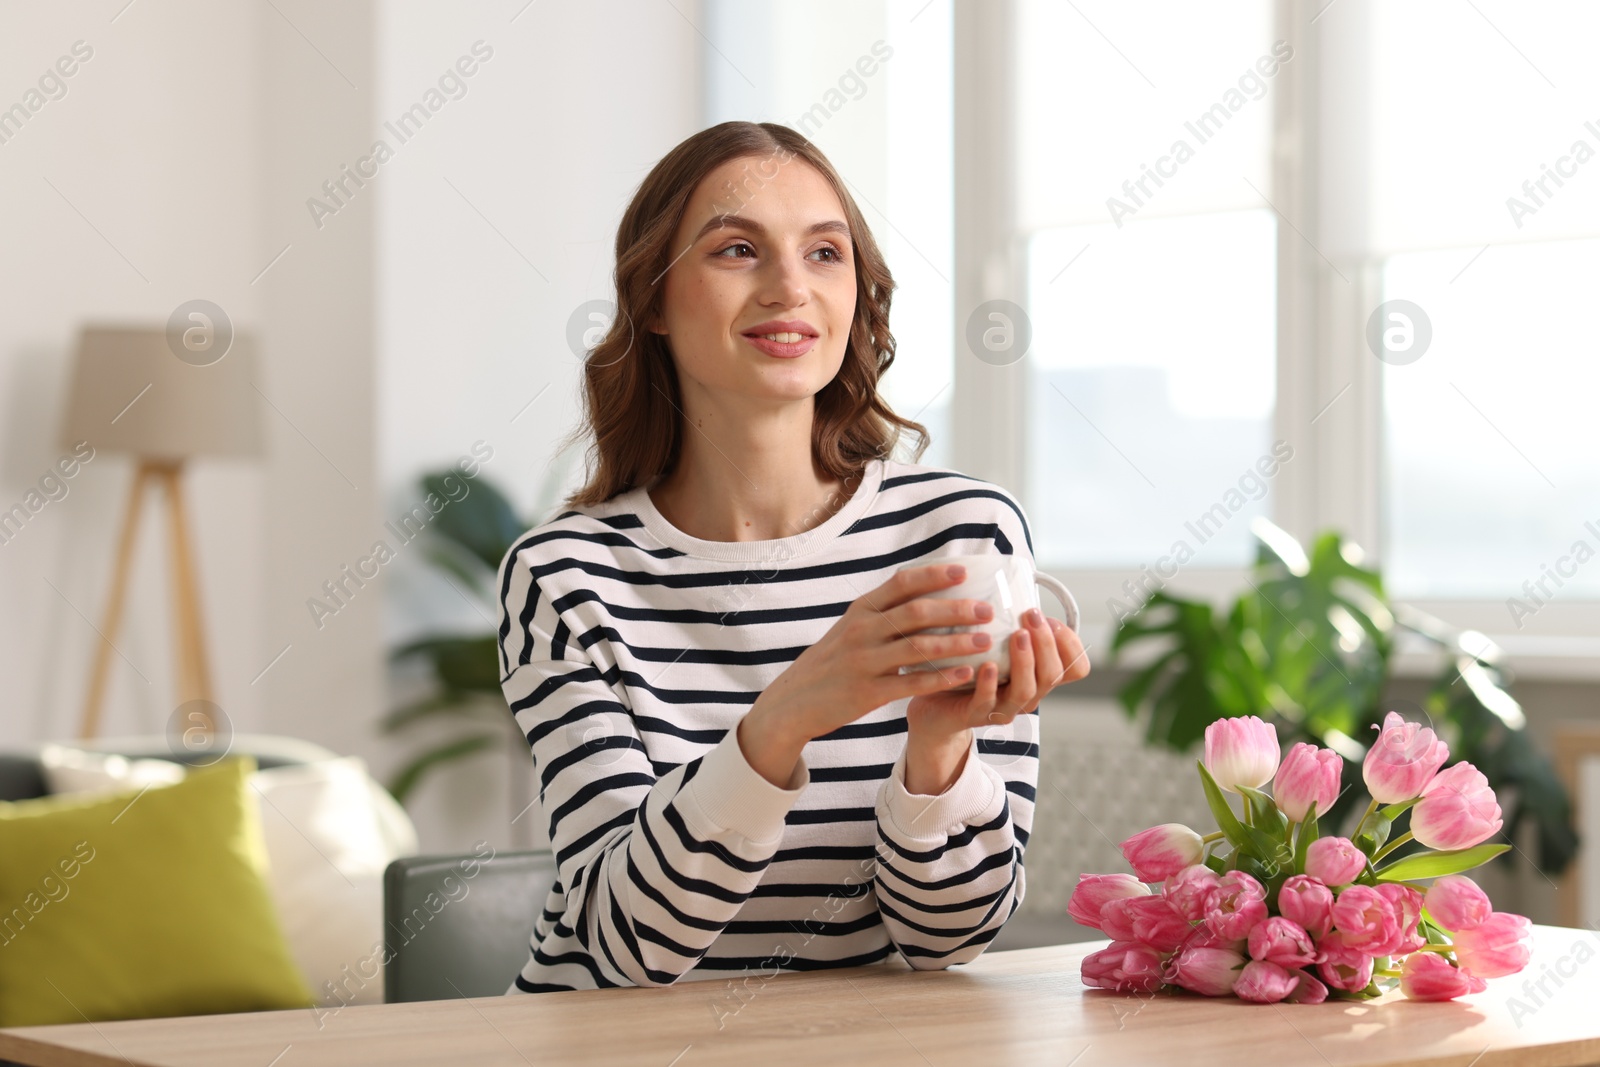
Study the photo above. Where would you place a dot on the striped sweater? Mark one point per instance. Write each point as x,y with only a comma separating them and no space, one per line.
629,651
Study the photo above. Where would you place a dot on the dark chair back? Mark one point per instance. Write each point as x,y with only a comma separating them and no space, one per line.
455,934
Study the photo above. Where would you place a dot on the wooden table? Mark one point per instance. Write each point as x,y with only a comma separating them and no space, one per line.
1022,1007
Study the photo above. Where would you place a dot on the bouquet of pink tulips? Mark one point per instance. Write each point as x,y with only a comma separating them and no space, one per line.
1266,909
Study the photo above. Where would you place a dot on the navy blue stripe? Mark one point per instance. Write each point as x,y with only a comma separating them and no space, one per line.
886,890
581,845
716,849
682,881
599,787
812,816
637,877
798,963
965,837
585,751
971,874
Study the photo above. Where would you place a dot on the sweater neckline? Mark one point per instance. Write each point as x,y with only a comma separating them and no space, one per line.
774,550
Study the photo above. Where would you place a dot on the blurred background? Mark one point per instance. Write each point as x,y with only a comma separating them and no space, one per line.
1165,270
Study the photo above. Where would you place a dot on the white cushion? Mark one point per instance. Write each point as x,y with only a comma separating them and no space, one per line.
330,831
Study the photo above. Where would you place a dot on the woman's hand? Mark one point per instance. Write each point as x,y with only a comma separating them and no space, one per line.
855,667
939,726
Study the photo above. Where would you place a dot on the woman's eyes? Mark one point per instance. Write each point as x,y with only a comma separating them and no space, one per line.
838,256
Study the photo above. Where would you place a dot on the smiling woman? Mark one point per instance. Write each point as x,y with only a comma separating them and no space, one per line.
704,649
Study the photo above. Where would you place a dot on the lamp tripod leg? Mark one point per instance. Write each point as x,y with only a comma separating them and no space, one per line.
194,672
90,723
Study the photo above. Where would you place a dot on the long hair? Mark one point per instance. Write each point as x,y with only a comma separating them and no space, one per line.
631,396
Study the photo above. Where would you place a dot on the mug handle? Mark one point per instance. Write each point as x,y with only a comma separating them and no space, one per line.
1063,594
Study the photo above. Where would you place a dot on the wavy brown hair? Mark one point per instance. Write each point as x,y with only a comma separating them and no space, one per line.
630,386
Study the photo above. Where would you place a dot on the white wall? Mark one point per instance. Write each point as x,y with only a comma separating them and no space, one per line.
156,145
497,220
394,335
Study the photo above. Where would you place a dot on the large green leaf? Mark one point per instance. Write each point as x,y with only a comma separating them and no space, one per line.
449,702
1437,864
1227,821
482,521
469,664
405,781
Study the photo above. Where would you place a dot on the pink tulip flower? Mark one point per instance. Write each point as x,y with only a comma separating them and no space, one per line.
1334,861
1241,751
1094,891
1456,903
1457,810
1157,923
1309,991
1210,972
1307,903
1341,966
1235,905
1202,936
1162,851
1498,946
1116,918
1124,967
1428,976
1403,760
1407,905
1189,889
1278,940
1308,774
1264,983
1368,921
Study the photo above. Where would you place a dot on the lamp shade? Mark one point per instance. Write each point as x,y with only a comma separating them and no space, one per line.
131,393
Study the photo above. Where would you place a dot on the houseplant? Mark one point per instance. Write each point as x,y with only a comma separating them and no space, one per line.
1309,645
467,542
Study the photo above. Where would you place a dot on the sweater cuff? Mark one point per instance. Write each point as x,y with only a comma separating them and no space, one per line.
727,794
976,795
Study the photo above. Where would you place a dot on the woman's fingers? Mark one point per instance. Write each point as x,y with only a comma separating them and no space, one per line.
1074,657
1049,667
983,694
1020,691
911,583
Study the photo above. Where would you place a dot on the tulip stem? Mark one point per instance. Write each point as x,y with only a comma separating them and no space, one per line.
1432,947
1391,846
1386,974
1208,838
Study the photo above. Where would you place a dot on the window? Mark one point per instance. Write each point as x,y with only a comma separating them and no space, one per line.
1207,211
1485,213
1151,268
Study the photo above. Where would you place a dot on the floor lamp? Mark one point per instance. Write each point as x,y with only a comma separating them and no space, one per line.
133,392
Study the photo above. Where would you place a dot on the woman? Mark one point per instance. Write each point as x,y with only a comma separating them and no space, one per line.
704,647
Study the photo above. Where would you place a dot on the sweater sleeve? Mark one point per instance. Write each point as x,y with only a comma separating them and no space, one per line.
652,868
950,870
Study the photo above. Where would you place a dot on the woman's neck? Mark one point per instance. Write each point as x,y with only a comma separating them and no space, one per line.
754,497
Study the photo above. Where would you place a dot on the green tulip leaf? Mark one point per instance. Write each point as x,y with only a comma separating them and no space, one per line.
1303,837
1438,864
1394,811
1264,813
1227,821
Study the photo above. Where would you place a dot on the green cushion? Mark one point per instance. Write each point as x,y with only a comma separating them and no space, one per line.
113,907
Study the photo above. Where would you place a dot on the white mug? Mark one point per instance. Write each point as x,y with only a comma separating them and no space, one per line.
1012,587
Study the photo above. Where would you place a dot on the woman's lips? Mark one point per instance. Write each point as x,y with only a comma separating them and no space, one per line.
782,351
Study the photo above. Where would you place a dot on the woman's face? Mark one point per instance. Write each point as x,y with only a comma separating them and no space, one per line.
762,242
